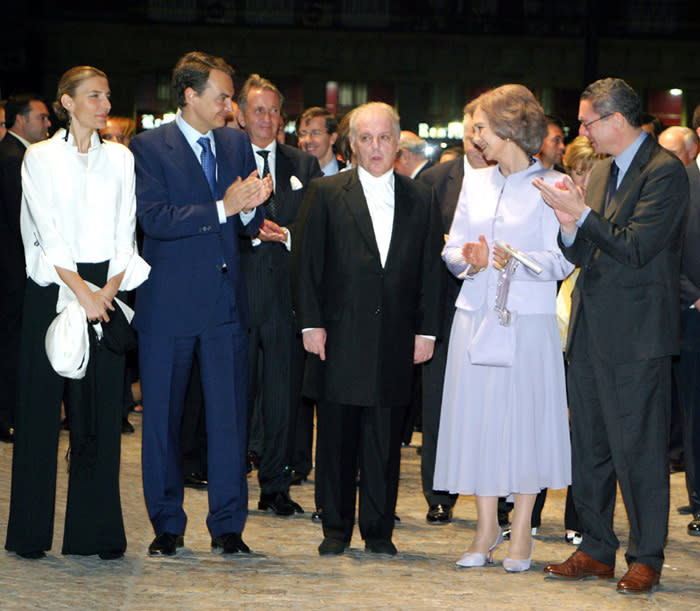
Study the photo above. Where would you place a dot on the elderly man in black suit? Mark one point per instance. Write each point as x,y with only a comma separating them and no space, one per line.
275,351
626,236
370,304
27,122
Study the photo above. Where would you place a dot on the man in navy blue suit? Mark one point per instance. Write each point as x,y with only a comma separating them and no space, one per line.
197,191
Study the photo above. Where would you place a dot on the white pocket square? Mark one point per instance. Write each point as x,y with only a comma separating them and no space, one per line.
295,183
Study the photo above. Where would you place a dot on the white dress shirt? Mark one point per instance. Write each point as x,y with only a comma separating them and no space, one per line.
79,209
379,193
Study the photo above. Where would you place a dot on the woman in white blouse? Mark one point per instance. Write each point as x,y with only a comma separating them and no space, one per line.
78,226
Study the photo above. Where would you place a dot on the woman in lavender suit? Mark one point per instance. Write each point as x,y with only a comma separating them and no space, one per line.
504,430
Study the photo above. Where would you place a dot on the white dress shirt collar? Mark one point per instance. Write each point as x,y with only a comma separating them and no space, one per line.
192,135
22,140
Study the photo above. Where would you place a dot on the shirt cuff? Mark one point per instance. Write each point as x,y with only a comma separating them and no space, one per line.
583,217
433,337
288,241
246,217
221,210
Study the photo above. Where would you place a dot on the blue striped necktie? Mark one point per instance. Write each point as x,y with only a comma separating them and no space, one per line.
208,163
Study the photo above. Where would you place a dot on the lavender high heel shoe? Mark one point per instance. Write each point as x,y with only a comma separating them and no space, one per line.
518,566
470,560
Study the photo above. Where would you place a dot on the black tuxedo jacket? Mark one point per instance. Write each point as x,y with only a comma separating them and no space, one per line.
630,258
371,313
446,178
11,252
266,267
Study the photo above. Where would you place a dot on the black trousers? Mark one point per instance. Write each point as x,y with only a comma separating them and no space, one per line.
275,369
688,376
620,416
10,324
93,521
368,438
433,379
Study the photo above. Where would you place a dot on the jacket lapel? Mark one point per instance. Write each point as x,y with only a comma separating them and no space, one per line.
183,156
631,176
357,205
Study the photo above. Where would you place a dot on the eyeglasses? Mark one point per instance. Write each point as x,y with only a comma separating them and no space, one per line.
588,125
314,133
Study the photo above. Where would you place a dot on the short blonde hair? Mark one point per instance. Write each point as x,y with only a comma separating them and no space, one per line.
515,114
579,152
69,83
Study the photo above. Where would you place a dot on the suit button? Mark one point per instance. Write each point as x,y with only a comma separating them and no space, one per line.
378,311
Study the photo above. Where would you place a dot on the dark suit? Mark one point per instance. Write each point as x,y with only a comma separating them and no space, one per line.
688,367
193,300
371,315
12,273
446,178
275,358
624,328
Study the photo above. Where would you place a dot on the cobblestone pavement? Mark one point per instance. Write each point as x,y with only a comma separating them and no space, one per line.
285,570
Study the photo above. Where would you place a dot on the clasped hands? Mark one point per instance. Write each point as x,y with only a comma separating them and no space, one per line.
246,195
565,198
477,255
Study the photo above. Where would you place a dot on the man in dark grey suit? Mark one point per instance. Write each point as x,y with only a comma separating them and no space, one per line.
370,303
626,236
275,352
27,121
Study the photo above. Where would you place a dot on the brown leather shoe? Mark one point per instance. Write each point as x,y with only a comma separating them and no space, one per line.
579,566
638,579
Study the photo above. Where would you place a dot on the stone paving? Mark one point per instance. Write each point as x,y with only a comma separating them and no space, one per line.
285,570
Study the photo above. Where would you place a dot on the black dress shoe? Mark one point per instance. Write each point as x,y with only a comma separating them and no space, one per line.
127,427
676,466
439,514
7,434
253,461
165,544
229,543
196,480
332,547
280,503
380,546
694,526
111,555
298,478
317,516
36,555
685,510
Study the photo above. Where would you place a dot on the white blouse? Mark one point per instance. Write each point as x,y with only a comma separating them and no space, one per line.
79,209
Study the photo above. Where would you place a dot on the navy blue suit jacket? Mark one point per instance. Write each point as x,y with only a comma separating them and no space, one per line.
184,242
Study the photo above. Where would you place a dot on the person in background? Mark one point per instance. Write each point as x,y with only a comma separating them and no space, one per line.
27,120
119,129
450,153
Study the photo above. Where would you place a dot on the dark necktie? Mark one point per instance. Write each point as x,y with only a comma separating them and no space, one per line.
270,203
208,163
612,185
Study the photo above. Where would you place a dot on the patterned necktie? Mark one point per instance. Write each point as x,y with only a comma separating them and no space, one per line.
612,184
271,204
208,163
